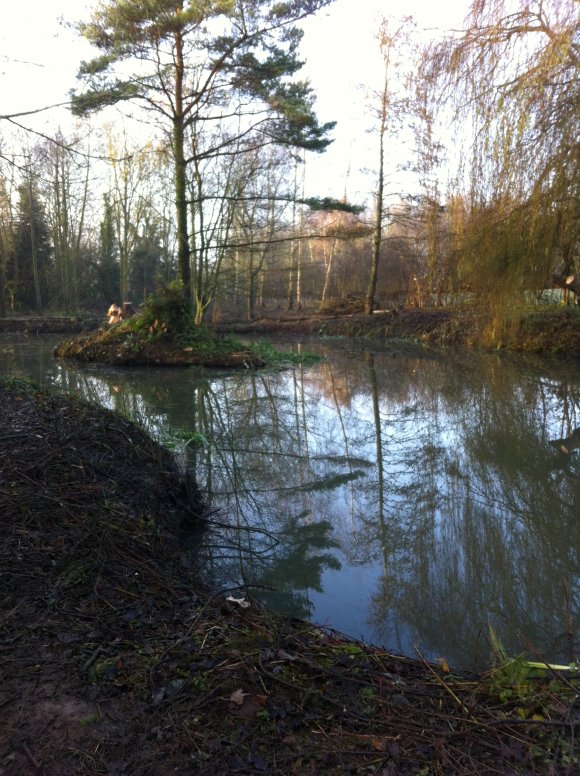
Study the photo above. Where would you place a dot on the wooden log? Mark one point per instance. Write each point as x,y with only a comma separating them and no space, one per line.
564,277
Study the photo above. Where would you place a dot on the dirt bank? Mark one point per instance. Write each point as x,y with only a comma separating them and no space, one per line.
114,659
51,324
547,331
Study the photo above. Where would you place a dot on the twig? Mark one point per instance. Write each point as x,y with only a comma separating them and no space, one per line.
94,655
457,700
190,629
31,757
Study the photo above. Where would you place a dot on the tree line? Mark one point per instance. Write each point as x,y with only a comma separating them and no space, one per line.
214,196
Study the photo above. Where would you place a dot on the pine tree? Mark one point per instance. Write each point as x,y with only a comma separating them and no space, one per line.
108,258
32,258
218,64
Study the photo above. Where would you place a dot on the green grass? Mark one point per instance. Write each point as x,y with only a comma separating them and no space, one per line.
270,355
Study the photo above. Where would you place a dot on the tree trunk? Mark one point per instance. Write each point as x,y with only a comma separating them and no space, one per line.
33,252
377,238
565,277
327,275
183,252
378,225
2,292
293,243
251,299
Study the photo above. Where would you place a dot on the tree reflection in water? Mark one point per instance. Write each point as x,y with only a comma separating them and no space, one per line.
409,498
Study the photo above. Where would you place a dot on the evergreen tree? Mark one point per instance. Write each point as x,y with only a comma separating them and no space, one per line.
108,258
217,62
32,258
146,264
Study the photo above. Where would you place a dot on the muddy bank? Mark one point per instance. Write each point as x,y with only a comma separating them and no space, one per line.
115,659
549,332
66,324
437,326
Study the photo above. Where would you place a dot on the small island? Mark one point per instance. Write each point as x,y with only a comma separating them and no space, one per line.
162,334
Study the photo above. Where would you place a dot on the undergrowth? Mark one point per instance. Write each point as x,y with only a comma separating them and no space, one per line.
166,316
268,352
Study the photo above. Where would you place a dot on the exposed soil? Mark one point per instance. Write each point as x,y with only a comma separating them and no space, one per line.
115,659
443,325
50,324
547,331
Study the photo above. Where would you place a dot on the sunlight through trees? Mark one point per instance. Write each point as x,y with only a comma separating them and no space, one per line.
190,160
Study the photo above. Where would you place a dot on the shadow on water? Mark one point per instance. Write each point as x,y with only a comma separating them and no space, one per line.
409,499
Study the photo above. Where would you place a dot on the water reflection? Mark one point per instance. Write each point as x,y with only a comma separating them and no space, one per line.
406,498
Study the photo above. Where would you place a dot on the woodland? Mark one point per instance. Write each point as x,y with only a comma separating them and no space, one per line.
181,178
202,182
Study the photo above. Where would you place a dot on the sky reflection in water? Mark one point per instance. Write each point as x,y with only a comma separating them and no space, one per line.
402,497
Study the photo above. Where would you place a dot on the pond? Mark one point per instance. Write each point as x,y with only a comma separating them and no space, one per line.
417,500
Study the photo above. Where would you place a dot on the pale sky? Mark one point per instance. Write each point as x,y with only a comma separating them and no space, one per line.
39,60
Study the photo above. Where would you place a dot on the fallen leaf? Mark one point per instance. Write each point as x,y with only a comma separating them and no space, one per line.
249,705
240,601
237,697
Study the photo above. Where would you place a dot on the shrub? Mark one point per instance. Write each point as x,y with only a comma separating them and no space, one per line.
166,311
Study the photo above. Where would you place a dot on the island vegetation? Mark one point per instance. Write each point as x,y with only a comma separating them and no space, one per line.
162,334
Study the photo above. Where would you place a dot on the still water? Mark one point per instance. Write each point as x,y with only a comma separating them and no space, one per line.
407,498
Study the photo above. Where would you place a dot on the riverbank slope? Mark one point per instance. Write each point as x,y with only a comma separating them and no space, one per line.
553,331
548,331
115,659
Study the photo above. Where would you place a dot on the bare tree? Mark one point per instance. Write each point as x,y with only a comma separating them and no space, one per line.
197,64
65,187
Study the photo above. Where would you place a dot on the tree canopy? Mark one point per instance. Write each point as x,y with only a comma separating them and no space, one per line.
201,167
511,80
217,75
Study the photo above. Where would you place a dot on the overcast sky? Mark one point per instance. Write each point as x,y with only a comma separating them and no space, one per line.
39,58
